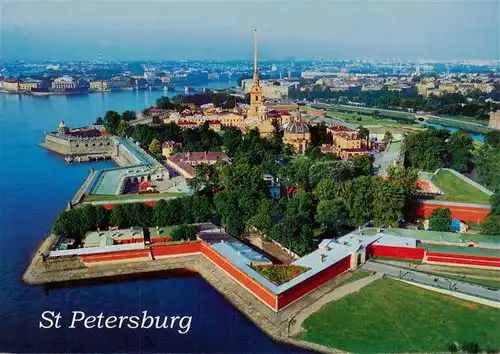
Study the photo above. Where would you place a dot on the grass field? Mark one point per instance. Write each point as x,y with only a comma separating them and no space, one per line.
388,316
457,190
99,198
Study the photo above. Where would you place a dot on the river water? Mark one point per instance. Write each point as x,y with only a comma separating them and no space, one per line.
34,186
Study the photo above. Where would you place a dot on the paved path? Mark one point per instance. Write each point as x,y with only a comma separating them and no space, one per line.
433,280
336,294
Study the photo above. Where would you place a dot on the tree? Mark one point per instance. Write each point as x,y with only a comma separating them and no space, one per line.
495,202
159,213
387,137
440,220
326,189
407,177
363,165
470,347
242,174
331,214
488,166
155,147
122,129
426,150
101,217
184,232
127,116
493,139
358,197
363,133
99,121
338,171
389,200
112,121
460,147
296,174
266,216
491,226
117,217
88,217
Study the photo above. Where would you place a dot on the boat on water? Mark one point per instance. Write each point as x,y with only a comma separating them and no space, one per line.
40,92
68,159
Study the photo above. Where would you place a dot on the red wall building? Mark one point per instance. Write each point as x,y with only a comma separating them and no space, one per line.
460,211
395,252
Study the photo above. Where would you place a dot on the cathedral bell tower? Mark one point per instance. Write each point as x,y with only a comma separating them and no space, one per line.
257,108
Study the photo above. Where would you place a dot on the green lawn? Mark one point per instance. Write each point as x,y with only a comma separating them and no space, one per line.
388,316
457,190
99,198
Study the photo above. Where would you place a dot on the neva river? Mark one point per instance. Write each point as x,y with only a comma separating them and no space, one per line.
35,186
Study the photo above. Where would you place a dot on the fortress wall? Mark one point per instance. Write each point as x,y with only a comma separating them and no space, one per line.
252,286
124,158
463,213
103,146
173,250
313,282
395,252
115,256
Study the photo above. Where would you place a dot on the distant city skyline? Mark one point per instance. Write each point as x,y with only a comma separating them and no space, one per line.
297,30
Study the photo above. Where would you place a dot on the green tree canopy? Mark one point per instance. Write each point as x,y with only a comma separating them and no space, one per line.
440,220
155,147
460,147
331,214
112,121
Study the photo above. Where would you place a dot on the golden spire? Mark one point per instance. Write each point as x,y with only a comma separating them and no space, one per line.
255,67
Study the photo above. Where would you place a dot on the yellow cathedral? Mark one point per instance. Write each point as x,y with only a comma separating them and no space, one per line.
296,133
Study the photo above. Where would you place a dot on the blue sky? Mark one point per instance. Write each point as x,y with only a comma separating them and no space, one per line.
164,30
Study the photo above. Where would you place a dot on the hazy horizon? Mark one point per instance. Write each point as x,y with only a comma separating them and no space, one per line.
221,30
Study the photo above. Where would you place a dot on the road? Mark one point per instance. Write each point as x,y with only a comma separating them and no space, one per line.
433,280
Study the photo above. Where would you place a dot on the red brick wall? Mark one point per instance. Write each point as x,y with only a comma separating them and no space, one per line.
114,256
463,259
170,250
251,285
464,213
111,205
313,282
395,252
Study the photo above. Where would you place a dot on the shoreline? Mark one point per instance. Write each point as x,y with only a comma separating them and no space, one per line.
276,325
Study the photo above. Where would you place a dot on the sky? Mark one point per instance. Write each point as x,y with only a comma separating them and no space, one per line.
223,30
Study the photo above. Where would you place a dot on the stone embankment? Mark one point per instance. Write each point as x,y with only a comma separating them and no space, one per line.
44,270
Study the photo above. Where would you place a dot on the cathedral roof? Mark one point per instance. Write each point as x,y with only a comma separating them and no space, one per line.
297,127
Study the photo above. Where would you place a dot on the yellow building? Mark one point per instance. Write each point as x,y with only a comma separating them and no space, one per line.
28,86
11,85
297,135
98,85
448,88
346,143
424,86
495,120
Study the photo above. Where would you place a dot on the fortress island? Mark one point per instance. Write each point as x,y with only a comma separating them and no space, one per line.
264,208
